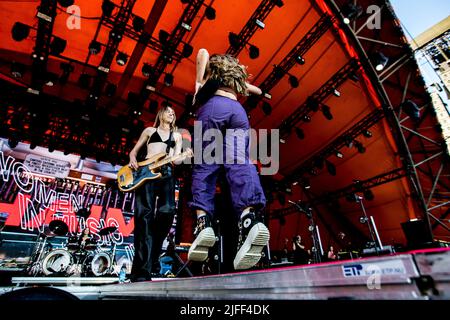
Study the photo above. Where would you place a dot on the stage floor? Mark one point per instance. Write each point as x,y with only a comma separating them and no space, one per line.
421,275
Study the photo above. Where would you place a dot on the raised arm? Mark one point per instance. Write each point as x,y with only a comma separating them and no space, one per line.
253,89
202,63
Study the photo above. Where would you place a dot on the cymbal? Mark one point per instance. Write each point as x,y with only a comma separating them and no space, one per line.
58,227
107,230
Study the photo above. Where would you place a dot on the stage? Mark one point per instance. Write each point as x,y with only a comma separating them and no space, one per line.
419,275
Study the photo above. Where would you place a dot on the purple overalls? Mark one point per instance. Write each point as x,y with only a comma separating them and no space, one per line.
222,113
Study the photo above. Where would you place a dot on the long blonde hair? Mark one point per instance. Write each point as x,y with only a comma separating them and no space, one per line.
226,69
159,116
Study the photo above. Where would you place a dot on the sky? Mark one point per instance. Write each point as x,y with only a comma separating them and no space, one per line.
419,15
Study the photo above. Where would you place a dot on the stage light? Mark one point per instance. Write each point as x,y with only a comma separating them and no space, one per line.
95,47
147,70
312,104
33,145
210,13
411,109
57,46
168,79
138,23
260,24
13,142
327,112
300,60
306,118
121,59
348,142
368,195
20,31
305,183
51,147
187,50
278,3
293,81
84,81
110,89
233,39
153,106
17,69
253,52
330,168
163,37
266,108
66,3
336,92
350,11
354,77
50,79
379,60
299,132
278,72
339,154
107,7
367,134
360,147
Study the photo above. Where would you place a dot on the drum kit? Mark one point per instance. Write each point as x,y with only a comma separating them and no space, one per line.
75,258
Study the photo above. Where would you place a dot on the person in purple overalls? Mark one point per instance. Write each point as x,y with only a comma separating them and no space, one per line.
220,78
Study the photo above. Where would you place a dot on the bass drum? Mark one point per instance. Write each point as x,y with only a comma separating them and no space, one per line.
97,264
57,261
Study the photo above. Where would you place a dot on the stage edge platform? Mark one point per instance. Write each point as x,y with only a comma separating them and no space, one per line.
420,275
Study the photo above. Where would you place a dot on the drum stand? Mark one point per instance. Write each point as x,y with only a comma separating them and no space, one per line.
35,267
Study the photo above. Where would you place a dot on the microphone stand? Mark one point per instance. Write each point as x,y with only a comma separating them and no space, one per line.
313,228
374,236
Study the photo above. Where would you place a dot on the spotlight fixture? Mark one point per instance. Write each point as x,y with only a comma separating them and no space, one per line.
360,147
187,50
305,183
163,37
17,69
110,89
20,31
234,40
278,72
339,154
210,13
368,195
379,60
168,79
351,11
33,145
327,112
312,104
84,81
266,108
278,3
363,220
336,92
260,24
95,47
147,70
306,118
253,52
13,142
300,60
348,142
121,59
299,132
138,23
51,147
107,7
293,81
330,168
50,79
411,109
367,134
153,106
57,46
66,3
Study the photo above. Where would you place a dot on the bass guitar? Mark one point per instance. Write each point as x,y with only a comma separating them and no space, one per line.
129,179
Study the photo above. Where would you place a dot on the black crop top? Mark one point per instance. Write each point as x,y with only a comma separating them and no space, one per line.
155,137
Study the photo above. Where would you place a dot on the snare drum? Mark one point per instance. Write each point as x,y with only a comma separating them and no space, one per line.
56,261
